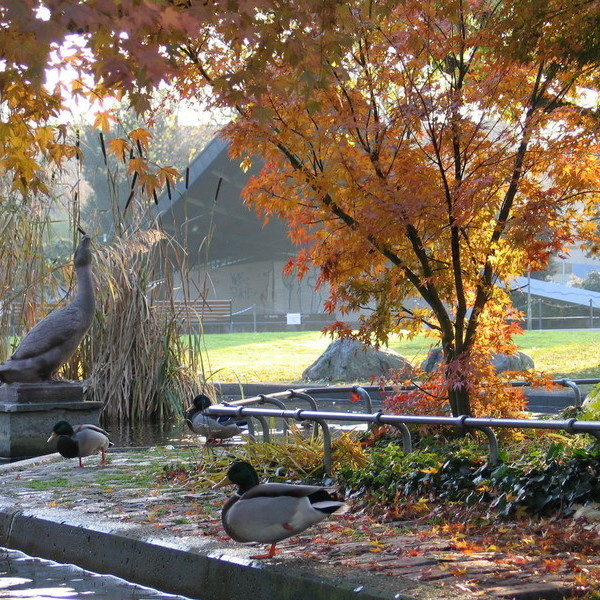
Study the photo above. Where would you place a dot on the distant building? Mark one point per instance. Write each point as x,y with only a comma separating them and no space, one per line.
577,264
231,254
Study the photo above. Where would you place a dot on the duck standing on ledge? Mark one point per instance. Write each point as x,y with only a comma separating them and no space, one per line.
80,441
271,512
53,340
212,428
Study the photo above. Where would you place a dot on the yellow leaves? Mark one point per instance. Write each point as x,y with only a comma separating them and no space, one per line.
119,147
138,165
104,121
167,175
78,88
246,164
430,470
377,546
140,136
60,152
582,579
149,181
44,136
130,151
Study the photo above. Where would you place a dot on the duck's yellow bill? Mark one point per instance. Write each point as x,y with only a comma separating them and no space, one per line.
225,481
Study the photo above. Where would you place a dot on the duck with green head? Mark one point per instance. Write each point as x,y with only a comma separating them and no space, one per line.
271,512
212,428
80,441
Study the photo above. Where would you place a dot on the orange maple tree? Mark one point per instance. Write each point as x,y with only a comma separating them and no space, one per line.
423,153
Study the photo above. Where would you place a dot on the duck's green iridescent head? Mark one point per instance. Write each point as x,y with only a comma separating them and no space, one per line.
243,475
202,402
63,428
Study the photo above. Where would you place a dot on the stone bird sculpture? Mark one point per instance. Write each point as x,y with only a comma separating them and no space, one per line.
53,340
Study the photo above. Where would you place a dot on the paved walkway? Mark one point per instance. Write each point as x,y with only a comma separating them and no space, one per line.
122,519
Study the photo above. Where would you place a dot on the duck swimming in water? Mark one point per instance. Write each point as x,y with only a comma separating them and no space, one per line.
80,441
212,428
271,512
52,341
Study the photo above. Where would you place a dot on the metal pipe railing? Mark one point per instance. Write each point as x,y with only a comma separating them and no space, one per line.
400,422
485,424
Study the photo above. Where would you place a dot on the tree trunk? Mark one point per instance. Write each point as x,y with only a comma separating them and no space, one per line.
456,378
459,400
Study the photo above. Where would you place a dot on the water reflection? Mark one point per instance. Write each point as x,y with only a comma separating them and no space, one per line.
176,433
139,435
23,577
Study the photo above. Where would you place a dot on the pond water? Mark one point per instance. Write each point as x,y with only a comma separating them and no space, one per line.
24,577
177,433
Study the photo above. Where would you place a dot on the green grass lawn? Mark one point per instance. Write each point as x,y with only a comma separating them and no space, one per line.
282,356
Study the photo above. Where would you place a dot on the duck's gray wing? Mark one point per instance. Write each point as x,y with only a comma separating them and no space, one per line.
83,426
271,490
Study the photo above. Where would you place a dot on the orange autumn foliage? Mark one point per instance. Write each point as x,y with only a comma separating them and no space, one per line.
423,154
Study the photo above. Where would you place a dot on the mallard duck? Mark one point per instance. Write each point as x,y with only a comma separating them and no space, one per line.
271,512
212,428
80,441
52,341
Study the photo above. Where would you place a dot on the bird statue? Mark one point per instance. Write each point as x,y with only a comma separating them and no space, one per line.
80,441
52,341
271,512
212,428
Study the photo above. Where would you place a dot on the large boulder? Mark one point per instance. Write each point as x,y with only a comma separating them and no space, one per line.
352,361
502,362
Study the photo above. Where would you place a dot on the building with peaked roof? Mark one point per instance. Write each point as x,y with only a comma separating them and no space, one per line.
231,254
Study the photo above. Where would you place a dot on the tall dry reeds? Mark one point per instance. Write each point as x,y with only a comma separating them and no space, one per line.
30,280
138,364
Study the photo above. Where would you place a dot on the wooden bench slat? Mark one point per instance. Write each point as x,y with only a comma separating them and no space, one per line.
202,310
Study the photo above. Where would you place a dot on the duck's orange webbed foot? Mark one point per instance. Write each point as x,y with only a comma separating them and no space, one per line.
270,554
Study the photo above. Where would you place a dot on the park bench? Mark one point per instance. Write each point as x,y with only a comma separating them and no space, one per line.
195,314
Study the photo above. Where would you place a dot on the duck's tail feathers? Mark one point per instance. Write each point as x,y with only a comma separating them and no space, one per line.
331,507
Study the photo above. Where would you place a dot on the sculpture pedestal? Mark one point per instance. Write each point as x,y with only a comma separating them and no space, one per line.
28,412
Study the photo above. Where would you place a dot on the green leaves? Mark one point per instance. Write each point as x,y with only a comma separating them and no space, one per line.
533,484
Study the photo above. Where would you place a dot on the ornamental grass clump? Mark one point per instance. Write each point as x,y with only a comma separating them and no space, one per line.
137,362
297,456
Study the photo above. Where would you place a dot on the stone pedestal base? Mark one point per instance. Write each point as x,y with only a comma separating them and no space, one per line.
28,412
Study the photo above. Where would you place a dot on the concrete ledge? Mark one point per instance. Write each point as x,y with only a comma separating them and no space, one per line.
206,574
44,391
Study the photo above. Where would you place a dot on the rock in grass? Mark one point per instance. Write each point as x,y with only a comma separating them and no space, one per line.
502,362
347,360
